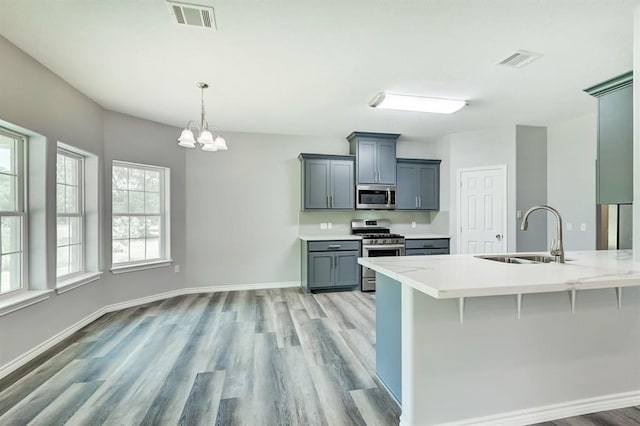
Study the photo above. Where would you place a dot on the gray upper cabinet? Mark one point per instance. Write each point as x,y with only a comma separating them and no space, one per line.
614,165
375,157
418,186
327,182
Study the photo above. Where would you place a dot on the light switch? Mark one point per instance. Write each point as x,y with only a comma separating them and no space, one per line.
323,225
329,225
413,224
583,227
569,226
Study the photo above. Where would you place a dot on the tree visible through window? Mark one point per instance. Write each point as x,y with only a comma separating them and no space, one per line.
12,213
70,213
138,213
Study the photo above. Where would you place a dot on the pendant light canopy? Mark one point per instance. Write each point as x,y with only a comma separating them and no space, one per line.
205,139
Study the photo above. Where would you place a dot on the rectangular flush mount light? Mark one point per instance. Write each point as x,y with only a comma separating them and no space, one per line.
416,103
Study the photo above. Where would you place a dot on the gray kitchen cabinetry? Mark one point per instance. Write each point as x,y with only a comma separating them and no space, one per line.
427,246
418,186
327,182
375,157
614,164
330,265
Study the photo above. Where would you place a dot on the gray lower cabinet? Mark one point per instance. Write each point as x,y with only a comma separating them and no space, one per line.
427,246
330,265
327,182
375,157
418,184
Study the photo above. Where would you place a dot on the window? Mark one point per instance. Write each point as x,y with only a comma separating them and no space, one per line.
140,217
12,212
70,213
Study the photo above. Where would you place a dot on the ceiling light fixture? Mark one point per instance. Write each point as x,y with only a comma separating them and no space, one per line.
416,103
205,138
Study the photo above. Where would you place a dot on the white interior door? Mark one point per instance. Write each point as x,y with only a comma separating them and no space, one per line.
482,205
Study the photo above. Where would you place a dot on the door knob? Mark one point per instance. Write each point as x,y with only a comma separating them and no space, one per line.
499,237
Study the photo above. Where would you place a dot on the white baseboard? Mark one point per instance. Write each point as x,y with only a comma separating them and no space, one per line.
554,411
23,359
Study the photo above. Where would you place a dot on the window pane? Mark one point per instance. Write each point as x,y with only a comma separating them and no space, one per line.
71,170
11,230
60,168
120,251
152,203
60,197
151,181
71,199
137,250
11,272
136,227
120,201
136,202
120,178
7,193
136,179
120,227
75,258
64,231
62,261
153,226
7,154
153,248
75,230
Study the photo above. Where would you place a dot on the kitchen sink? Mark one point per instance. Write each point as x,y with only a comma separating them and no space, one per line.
523,259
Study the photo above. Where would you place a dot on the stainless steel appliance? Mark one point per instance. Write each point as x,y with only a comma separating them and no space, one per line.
376,197
614,224
377,241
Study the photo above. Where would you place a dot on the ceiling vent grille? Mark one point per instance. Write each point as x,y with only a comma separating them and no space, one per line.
193,15
520,59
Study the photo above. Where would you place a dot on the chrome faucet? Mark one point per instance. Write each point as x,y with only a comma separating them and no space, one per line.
557,248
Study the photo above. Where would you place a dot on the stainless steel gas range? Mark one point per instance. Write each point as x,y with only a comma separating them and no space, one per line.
377,241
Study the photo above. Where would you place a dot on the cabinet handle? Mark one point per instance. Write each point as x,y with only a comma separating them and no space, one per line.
416,202
420,201
334,246
331,201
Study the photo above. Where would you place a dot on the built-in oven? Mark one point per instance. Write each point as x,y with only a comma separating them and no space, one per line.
376,197
374,250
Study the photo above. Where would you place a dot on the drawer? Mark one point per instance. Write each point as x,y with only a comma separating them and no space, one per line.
333,245
442,243
425,252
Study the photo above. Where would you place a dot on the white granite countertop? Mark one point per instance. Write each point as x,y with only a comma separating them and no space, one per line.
425,236
341,237
450,276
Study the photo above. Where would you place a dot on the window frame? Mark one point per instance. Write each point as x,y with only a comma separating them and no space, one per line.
81,213
164,213
21,197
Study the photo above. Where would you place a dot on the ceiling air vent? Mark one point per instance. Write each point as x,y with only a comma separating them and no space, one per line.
520,59
193,15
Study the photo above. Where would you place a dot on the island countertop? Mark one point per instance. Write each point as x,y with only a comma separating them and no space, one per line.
452,276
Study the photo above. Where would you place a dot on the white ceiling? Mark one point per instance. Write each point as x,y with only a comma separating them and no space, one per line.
310,67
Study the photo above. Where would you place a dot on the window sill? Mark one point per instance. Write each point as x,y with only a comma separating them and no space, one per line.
77,281
22,300
140,266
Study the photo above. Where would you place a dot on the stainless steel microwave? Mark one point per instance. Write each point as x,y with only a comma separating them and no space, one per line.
376,197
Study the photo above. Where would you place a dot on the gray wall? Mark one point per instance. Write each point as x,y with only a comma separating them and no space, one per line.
531,186
636,134
571,178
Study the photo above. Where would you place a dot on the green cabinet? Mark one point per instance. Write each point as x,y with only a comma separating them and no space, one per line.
330,265
426,246
327,182
375,157
614,164
418,185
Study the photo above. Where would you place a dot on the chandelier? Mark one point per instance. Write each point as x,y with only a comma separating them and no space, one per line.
205,138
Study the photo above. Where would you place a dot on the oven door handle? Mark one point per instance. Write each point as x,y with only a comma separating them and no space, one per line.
383,247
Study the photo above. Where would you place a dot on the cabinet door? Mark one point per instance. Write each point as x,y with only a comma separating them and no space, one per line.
342,188
316,184
367,170
386,162
429,193
321,269
615,147
347,270
406,187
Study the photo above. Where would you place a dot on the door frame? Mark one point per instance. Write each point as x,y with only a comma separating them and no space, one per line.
502,168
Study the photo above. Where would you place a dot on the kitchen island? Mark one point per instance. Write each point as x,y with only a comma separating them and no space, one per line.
464,340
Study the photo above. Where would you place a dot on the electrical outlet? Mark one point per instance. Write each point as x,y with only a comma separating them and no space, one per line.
413,224
518,214
583,227
569,226
329,225
323,225
176,268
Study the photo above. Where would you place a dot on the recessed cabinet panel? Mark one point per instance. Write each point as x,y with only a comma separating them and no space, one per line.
342,185
406,188
386,157
347,271
316,184
429,178
367,167
321,270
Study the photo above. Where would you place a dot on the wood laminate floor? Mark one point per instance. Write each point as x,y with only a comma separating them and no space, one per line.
264,357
